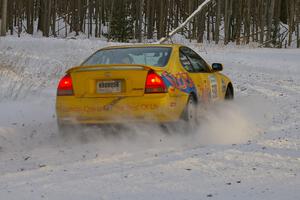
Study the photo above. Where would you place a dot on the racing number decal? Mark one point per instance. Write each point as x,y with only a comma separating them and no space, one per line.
213,87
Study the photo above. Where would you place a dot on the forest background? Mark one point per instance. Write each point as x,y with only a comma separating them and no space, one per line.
270,23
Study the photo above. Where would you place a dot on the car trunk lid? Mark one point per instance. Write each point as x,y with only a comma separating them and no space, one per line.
109,80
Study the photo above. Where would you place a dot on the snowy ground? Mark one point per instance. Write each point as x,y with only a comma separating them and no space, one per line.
248,149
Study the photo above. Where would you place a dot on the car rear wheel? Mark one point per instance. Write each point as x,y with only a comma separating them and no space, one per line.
190,116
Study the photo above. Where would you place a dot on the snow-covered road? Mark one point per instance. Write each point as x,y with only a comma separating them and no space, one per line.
247,149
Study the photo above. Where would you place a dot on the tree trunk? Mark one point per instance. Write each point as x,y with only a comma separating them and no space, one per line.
262,21
53,14
90,10
46,23
110,19
20,27
271,5
150,15
227,27
29,16
291,8
10,18
161,19
96,18
247,24
237,32
218,21
208,25
140,34
276,17
201,27
3,18
298,22
190,11
298,36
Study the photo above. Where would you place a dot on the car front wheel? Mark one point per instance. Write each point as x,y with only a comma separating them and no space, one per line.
229,94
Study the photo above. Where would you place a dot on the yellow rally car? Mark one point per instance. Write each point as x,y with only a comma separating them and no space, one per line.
139,83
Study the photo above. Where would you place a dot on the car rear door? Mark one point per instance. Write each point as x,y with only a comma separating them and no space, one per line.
204,79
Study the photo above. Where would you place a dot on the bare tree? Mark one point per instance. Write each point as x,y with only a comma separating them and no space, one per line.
218,21
140,21
227,20
3,18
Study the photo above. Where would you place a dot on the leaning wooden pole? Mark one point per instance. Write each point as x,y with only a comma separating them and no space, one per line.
199,9
3,18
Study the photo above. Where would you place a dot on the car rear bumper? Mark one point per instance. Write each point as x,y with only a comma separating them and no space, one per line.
148,108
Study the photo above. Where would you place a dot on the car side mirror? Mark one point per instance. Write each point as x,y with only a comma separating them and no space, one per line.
217,67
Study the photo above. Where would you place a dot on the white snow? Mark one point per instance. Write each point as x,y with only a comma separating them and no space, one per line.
247,149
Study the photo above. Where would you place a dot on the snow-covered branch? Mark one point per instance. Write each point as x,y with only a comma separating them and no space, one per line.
199,9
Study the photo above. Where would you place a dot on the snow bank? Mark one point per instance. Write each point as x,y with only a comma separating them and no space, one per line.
29,65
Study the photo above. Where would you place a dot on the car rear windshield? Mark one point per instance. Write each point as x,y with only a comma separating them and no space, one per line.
152,56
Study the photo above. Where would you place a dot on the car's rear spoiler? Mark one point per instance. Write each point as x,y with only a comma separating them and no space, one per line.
114,67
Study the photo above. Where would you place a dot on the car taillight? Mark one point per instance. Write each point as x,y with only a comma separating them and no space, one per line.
65,86
154,83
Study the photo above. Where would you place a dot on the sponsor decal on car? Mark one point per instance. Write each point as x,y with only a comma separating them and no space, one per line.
223,86
180,80
93,109
213,87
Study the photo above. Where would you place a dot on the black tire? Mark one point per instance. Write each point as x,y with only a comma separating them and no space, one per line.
229,94
190,115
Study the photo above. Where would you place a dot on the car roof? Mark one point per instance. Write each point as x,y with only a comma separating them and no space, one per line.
141,46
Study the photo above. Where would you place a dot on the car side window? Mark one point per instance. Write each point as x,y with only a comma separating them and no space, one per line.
187,65
197,62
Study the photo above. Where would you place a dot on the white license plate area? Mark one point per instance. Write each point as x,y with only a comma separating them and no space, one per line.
109,86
